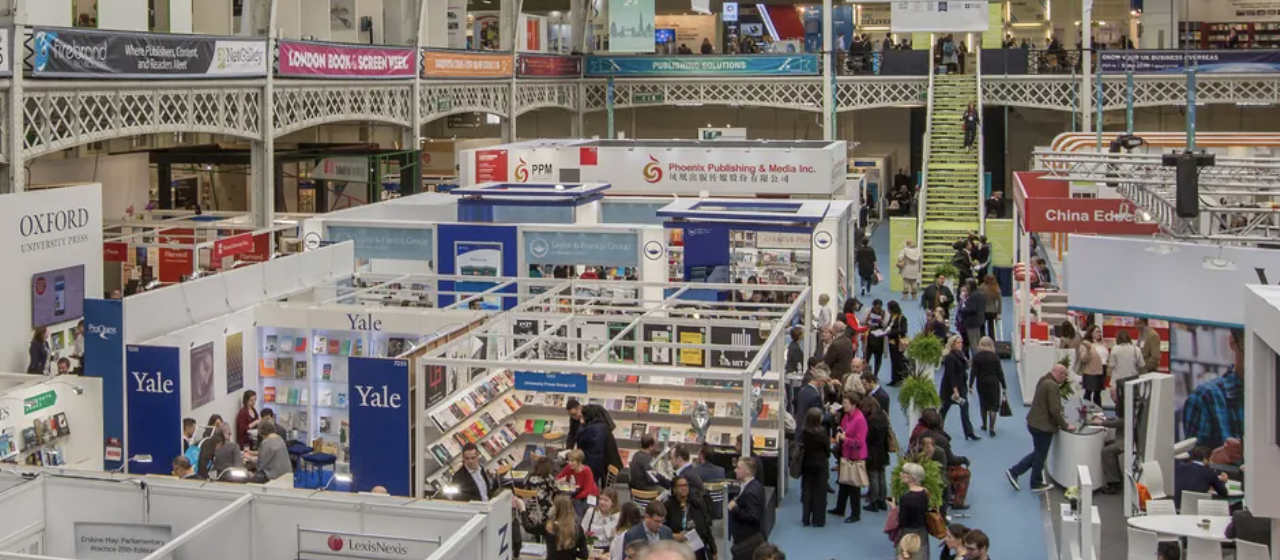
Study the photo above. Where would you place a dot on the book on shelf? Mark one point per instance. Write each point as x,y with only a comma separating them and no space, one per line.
270,345
726,438
345,347
638,430
326,398
300,345
29,438
267,367
268,394
357,348
300,369
664,434
321,346
629,404
642,404
664,406
285,365
341,400
676,407
291,396
326,372
304,395
335,346
325,424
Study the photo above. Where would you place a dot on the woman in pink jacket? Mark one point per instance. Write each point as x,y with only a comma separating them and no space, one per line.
852,440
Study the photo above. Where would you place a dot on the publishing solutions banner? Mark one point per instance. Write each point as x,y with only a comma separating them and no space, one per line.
79,53
1215,61
753,65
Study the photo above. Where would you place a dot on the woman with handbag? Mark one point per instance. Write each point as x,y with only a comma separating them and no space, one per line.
814,469
897,338
852,440
988,379
877,453
913,509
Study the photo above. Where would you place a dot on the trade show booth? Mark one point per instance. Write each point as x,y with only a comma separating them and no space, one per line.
53,421
51,514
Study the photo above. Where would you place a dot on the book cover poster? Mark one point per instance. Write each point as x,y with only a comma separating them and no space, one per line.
692,357
201,375
235,362
657,355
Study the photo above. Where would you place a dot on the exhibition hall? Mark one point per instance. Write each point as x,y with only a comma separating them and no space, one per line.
639,279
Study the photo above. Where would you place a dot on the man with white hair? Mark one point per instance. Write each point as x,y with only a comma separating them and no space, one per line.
1043,421
811,393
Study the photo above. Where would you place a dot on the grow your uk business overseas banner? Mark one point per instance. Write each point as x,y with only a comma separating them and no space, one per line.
1215,61
78,53
755,65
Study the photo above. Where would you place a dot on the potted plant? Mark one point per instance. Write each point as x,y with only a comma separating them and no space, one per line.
1073,497
917,391
934,477
946,269
1065,389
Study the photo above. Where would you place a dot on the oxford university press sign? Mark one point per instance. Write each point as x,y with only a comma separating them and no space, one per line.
48,230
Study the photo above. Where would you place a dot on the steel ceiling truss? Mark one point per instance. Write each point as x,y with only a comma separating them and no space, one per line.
441,99
304,104
533,95
1236,194
60,115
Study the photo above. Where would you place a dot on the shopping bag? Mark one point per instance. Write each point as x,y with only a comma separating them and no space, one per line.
879,277
935,524
1005,411
893,441
854,473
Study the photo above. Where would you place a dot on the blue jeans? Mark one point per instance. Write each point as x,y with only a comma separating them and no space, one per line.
1034,461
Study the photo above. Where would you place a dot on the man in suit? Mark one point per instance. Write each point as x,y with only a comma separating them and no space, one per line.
746,511
839,356
811,394
938,295
575,422
705,469
643,477
653,528
872,384
474,484
1195,476
795,352
681,461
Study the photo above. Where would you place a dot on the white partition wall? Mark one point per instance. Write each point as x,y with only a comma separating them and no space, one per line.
1261,452
69,409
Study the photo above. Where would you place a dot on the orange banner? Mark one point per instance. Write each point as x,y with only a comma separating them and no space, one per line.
460,64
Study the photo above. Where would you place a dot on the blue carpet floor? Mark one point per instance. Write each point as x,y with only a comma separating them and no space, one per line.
1013,520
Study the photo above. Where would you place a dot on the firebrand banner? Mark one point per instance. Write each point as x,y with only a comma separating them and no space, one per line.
79,53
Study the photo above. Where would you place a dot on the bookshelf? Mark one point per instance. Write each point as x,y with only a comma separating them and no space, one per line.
482,413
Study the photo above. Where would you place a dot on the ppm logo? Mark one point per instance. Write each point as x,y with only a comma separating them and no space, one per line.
653,170
522,171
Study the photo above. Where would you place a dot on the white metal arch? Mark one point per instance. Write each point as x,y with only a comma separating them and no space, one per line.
441,99
303,104
1171,90
533,95
1056,93
804,94
871,92
61,115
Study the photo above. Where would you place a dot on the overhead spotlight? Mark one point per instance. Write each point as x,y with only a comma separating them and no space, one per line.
1218,263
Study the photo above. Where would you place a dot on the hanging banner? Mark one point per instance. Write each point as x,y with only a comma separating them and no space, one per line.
549,66
330,60
174,264
6,61
233,245
409,244
379,404
349,169
466,65
104,359
698,65
115,252
82,53
943,16
1176,62
631,28
540,382
491,165
570,248
152,389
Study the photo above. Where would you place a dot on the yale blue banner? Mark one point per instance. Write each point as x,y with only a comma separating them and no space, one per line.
603,249
155,407
410,244
379,405
104,359
698,65
551,382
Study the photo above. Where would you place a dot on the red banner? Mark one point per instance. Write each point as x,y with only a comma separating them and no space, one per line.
233,245
1109,216
326,60
174,264
549,66
115,252
261,249
491,165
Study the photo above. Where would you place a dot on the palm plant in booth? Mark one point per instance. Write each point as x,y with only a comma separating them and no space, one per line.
918,391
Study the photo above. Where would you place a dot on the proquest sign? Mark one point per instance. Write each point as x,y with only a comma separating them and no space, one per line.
1110,216
324,60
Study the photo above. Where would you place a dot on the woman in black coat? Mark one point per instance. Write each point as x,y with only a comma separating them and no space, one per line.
865,259
815,469
877,453
896,334
955,384
988,378
685,513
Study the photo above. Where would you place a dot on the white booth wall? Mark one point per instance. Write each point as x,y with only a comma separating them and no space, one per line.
25,255
82,448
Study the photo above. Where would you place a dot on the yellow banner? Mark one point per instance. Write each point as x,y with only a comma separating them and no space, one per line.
993,37
691,356
1001,237
921,41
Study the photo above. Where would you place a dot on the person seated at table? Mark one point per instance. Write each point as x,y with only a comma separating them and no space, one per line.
1195,476
1112,453
580,474
705,469
643,475
1168,551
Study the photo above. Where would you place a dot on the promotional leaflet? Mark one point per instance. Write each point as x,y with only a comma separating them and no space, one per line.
81,53
697,65
466,65
331,60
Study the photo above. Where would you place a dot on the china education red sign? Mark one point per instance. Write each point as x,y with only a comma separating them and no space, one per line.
1047,207
327,60
549,66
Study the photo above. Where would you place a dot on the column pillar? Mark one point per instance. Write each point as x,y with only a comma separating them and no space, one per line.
1086,66
1159,25
17,176
579,12
164,185
828,78
262,168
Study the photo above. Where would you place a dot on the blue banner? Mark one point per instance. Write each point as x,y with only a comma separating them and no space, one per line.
104,359
631,26
539,382
155,407
1248,61
410,244
698,65
379,406
602,249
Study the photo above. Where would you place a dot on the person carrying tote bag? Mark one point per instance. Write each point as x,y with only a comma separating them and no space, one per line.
852,439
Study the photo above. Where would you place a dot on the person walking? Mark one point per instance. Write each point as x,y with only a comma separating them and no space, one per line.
938,294
1089,364
909,269
987,378
877,453
852,439
913,509
971,121
877,319
954,387
814,470
706,46
1125,363
896,336
974,314
1043,421
1149,342
962,259
994,300
865,259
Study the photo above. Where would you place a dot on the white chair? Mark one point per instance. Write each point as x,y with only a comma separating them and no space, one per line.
1182,449
1161,507
1203,549
1153,478
1142,544
1219,508
1191,502
1246,550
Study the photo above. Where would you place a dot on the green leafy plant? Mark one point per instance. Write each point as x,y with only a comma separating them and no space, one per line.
919,391
933,477
946,269
1065,389
925,352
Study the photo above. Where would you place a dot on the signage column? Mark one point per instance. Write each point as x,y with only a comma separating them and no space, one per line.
379,401
155,407
104,359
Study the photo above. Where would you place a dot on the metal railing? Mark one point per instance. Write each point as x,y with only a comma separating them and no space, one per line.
922,202
982,200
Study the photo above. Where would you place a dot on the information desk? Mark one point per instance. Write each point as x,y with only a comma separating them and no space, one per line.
1072,449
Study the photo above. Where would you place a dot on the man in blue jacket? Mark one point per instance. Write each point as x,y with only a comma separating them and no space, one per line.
1196,476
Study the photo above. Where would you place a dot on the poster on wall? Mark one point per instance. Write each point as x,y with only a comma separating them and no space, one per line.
436,385
83,53
691,357
379,407
736,336
478,259
174,264
491,165
658,355
456,23
523,330
57,296
950,16
235,362
1177,62
631,28
153,393
119,541
1208,393
201,375
621,353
